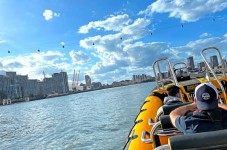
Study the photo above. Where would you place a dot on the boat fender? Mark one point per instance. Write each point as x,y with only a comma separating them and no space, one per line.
141,110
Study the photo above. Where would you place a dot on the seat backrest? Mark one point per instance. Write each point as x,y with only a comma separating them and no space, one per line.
168,108
200,141
166,122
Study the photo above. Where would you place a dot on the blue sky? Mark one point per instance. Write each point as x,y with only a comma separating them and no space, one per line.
110,40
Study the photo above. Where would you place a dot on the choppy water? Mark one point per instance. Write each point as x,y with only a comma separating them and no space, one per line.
97,120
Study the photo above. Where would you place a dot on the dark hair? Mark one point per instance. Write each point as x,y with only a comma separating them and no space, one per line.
172,90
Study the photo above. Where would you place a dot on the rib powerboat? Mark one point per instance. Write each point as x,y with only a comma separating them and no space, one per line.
153,130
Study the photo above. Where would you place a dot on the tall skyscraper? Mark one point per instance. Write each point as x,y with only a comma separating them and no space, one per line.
191,65
201,65
214,61
88,80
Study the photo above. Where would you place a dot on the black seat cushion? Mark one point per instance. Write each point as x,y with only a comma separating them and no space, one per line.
168,108
201,141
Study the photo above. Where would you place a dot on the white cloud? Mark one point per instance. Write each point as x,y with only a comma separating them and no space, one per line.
112,49
35,63
137,29
204,35
142,55
115,42
193,48
2,41
113,23
129,59
186,10
134,55
49,14
100,68
78,57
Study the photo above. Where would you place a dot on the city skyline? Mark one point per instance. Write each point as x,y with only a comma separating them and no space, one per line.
87,80
17,88
109,44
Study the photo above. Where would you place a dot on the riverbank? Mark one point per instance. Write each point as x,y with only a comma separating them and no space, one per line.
59,95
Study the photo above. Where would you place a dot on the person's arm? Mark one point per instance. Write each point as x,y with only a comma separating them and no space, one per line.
223,106
180,111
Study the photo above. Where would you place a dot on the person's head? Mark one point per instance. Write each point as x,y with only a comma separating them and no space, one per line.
173,90
206,96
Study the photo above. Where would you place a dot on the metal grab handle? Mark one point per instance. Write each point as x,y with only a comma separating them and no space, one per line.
159,114
210,68
161,80
150,122
153,130
181,68
169,132
143,137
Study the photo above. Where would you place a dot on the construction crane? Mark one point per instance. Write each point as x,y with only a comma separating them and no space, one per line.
73,81
78,77
44,76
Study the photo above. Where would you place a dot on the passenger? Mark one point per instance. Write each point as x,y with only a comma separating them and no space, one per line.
207,114
174,97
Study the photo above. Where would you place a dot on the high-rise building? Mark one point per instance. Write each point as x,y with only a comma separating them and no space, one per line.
214,61
201,65
4,86
225,64
190,62
60,82
15,86
88,80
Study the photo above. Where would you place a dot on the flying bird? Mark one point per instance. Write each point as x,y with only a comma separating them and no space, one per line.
63,44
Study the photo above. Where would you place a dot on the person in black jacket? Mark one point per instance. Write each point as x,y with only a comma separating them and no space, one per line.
207,114
174,97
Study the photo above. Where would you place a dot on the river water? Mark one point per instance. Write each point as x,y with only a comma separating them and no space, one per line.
97,120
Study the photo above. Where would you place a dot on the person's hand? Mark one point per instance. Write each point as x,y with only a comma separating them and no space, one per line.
223,106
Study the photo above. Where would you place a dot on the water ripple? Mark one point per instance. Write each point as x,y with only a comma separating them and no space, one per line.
97,120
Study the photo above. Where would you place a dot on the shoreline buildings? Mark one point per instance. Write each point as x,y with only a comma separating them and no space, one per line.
19,87
201,65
